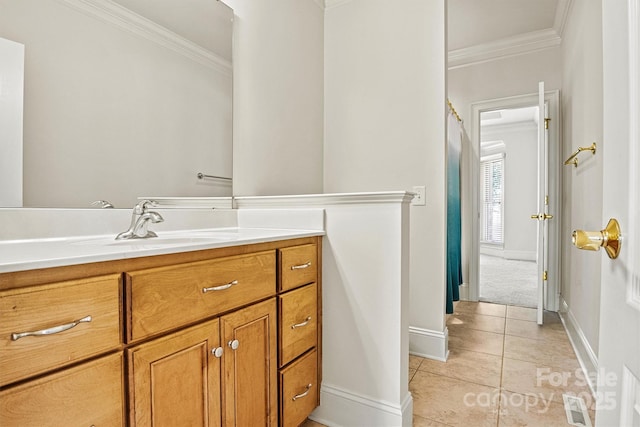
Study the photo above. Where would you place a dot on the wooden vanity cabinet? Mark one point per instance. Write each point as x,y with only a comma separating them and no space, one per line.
250,389
227,336
220,372
175,380
299,335
37,331
89,394
49,328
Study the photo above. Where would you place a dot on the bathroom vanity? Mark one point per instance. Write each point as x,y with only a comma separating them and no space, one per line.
198,332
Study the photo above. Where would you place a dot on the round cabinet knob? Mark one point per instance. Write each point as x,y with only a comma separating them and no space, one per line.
234,344
217,352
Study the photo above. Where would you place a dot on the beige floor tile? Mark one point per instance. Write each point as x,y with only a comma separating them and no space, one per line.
526,329
454,402
464,338
542,380
480,308
479,368
481,322
521,313
415,361
419,421
412,372
530,410
558,354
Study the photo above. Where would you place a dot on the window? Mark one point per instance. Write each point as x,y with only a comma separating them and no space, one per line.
492,199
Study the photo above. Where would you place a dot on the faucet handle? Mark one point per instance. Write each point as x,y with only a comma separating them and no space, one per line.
102,204
142,206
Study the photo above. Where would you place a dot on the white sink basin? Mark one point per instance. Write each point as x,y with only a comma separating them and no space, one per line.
160,241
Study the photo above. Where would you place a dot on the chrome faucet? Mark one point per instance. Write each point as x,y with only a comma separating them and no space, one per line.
104,204
138,229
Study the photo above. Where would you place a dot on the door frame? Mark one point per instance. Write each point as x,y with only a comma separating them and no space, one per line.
552,98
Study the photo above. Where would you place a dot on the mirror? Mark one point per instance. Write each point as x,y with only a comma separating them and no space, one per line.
123,98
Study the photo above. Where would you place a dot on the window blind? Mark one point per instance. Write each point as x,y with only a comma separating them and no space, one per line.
492,199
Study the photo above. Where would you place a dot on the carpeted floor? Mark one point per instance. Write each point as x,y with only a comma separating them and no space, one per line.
509,282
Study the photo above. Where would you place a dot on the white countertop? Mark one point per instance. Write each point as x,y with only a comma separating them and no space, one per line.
21,255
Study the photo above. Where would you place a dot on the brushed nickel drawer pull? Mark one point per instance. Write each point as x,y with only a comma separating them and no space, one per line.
298,396
219,288
50,331
301,266
299,325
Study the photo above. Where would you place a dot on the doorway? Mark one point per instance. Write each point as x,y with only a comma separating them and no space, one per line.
501,251
508,195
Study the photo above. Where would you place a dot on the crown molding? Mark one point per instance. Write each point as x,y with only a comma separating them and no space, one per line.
562,14
503,48
124,19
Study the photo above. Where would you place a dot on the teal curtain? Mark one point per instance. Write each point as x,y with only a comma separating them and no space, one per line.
454,222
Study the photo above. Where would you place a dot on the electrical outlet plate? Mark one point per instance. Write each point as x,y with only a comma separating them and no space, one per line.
419,198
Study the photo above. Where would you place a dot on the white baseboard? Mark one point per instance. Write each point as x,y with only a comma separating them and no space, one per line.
586,356
428,343
339,407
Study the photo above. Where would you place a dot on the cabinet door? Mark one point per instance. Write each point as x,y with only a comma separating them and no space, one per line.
250,370
175,380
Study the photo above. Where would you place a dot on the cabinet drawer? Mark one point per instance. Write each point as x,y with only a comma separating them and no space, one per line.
161,299
299,385
88,394
298,322
298,266
37,332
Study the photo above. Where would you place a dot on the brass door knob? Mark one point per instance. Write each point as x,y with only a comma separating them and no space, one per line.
609,239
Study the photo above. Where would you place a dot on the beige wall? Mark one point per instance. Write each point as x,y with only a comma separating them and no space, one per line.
111,115
582,186
385,123
278,97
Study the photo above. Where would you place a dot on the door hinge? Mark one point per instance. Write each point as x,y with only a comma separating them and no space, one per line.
546,200
545,275
546,123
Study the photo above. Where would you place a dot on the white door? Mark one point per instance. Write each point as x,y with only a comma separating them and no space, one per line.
619,348
543,215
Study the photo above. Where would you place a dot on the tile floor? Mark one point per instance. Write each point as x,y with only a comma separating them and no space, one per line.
503,370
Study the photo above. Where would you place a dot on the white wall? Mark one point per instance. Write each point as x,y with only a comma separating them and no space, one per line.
278,97
521,186
510,76
505,77
385,127
365,298
582,186
111,115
